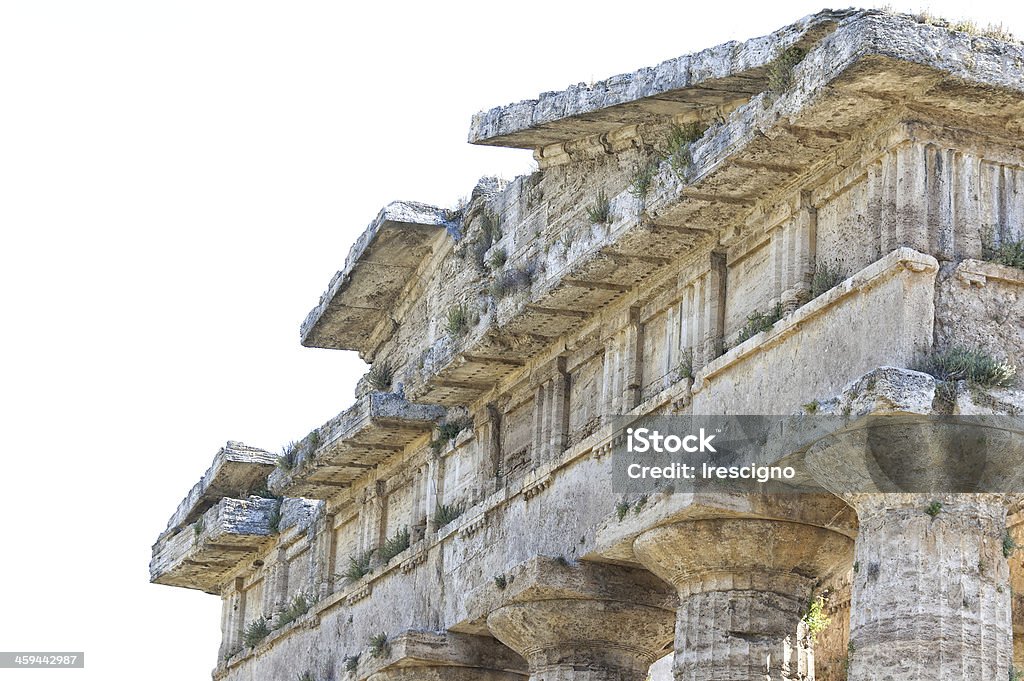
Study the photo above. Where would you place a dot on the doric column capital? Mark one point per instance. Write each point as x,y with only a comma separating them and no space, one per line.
585,622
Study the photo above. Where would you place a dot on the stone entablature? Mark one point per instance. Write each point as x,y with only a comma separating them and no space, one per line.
472,494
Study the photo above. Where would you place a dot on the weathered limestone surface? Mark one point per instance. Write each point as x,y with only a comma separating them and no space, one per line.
948,583
237,470
800,224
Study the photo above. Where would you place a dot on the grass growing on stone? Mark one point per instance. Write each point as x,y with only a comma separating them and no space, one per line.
286,461
600,212
447,431
358,566
934,509
457,322
825,278
685,367
643,178
976,367
274,521
489,234
1009,253
446,513
378,645
1009,545
351,662
296,609
255,631
678,142
759,321
780,71
394,545
381,374
508,282
498,259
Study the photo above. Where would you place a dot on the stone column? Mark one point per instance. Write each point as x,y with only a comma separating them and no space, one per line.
743,585
275,589
931,596
325,557
1017,592
559,417
435,489
584,622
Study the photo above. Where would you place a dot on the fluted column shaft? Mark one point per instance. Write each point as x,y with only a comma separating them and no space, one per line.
930,593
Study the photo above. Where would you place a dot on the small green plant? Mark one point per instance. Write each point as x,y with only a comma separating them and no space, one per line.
622,509
255,631
640,504
851,648
643,178
446,513
815,618
856,567
976,367
1015,675
489,234
678,142
812,407
394,545
498,259
508,282
457,321
825,278
289,454
296,609
780,71
306,676
501,581
447,431
934,509
1009,253
198,528
351,662
685,367
490,225
758,322
274,521
381,374
1009,545
600,211
358,566
378,645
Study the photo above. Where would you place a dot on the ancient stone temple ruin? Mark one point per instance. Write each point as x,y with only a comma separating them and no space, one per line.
826,220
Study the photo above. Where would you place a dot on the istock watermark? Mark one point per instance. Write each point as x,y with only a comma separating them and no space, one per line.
646,440
901,453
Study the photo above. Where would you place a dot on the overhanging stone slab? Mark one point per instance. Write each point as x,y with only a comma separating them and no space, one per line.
237,470
377,426
381,263
202,554
710,78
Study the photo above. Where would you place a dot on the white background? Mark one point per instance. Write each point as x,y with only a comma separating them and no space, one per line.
178,182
